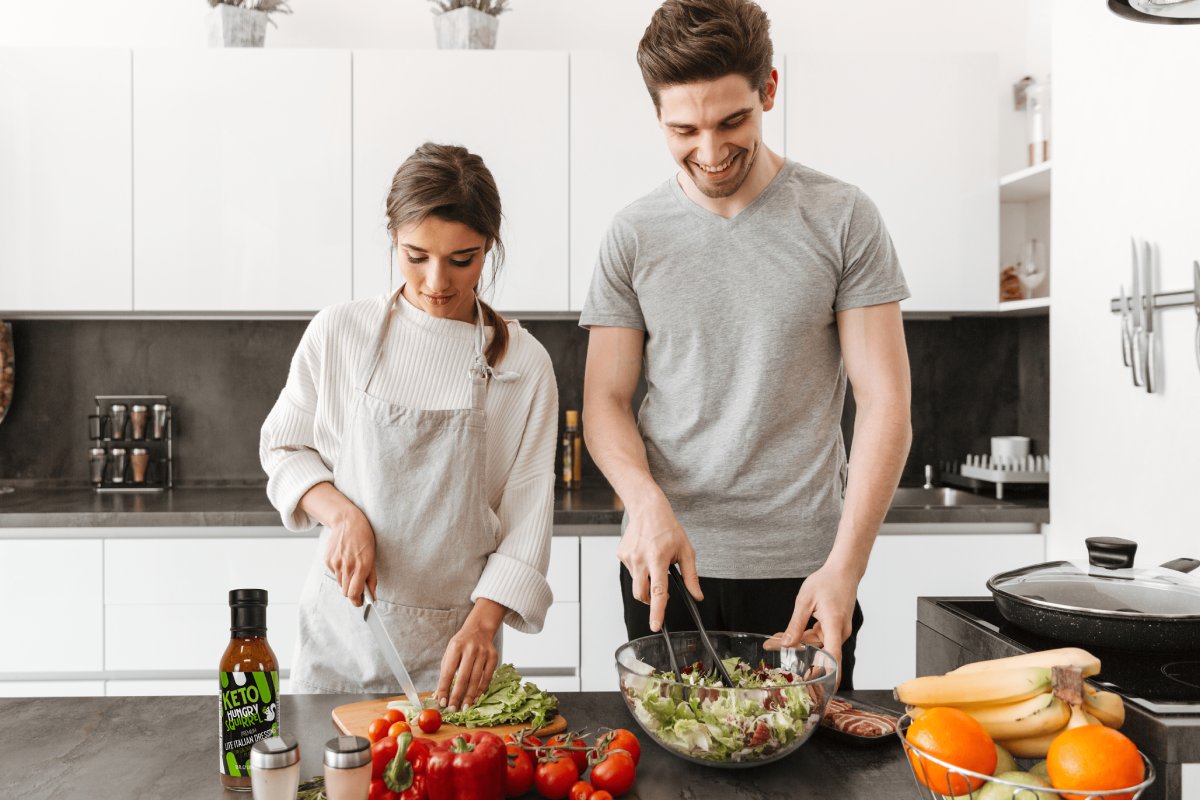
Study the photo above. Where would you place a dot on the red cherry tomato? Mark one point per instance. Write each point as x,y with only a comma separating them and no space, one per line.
601,795
582,790
398,728
377,730
555,775
394,715
571,740
529,743
429,720
518,776
614,772
382,752
621,739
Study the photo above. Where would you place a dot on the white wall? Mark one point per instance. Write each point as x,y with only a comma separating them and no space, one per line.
1013,28
1125,162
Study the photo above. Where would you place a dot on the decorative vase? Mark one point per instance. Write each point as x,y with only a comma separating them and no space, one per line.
234,26
466,28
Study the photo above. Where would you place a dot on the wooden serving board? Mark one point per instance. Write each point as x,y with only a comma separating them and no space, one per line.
353,719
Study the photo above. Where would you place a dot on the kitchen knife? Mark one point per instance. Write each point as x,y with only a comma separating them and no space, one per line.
1196,303
1148,317
388,648
1137,365
1126,335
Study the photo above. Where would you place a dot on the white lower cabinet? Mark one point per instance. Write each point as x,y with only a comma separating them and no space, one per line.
551,654
52,596
903,567
601,613
51,688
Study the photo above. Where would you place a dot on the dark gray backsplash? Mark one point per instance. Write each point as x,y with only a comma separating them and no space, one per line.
972,378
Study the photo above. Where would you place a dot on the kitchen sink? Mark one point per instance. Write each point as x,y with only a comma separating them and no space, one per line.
941,497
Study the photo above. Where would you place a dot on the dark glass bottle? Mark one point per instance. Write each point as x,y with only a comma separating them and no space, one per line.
248,688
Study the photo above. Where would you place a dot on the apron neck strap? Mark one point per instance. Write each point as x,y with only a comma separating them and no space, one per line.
367,369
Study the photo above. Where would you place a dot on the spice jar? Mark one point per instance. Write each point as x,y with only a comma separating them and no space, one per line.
137,420
275,768
347,768
138,459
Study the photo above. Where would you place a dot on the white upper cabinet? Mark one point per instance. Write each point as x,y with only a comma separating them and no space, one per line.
65,213
919,134
510,108
241,179
618,151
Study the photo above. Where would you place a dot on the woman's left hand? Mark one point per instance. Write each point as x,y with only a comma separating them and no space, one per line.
470,657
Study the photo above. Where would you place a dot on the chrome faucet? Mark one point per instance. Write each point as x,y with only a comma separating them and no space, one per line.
928,477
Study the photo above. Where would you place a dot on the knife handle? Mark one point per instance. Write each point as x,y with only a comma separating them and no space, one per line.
1148,363
1126,342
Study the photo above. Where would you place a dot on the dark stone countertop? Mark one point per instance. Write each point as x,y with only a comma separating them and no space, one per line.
591,510
96,748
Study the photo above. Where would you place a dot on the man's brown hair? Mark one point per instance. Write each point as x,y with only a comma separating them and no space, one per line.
702,40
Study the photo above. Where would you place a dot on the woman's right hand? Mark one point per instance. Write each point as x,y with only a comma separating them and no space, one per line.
350,553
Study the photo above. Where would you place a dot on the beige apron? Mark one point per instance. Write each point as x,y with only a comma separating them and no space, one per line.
419,478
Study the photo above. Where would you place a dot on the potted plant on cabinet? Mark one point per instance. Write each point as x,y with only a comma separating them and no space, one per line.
467,24
241,23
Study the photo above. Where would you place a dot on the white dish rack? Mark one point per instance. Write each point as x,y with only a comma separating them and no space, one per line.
983,467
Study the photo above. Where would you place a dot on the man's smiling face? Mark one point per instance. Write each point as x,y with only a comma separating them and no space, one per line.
714,130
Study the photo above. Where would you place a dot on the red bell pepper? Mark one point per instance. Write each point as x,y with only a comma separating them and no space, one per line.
468,767
404,776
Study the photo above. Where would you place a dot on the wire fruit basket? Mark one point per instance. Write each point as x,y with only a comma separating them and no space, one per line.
922,765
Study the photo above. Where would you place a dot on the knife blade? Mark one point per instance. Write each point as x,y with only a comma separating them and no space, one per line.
1196,303
1148,336
388,648
1136,289
1126,336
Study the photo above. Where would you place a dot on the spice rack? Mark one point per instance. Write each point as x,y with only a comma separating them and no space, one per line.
113,465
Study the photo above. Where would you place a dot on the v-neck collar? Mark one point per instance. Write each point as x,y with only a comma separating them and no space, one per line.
749,211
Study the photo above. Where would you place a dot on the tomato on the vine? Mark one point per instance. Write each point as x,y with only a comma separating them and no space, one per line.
382,752
555,775
620,739
572,740
582,790
614,772
529,743
429,720
518,775
377,729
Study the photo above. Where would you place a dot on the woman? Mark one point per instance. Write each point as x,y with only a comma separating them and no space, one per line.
419,429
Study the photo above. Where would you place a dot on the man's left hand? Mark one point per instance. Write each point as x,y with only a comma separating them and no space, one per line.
828,596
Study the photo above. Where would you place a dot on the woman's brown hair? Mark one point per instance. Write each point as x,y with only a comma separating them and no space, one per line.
452,184
703,40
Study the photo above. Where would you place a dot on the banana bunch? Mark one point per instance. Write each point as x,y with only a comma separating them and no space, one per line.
1023,702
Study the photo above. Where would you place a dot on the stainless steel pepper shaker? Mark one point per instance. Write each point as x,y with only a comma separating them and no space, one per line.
137,419
119,414
97,460
158,421
118,462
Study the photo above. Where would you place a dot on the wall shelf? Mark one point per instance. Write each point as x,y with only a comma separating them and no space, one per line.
1023,186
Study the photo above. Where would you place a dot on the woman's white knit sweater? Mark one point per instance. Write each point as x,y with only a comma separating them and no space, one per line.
424,365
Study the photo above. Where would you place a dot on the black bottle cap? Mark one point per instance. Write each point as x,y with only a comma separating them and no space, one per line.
248,612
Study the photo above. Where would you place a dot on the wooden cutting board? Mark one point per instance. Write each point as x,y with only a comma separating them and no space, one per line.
353,719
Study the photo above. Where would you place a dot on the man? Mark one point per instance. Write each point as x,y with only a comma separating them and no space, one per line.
750,287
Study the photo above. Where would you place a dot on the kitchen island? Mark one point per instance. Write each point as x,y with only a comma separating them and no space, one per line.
97,748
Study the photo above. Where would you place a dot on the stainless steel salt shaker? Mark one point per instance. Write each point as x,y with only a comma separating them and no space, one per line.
275,768
118,415
137,418
97,460
118,462
158,421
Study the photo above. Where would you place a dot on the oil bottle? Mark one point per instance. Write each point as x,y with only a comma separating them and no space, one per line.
572,452
249,687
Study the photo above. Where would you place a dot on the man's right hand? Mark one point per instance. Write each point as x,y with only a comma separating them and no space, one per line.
350,553
653,541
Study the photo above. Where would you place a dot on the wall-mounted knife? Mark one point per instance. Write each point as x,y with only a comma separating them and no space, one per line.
1148,335
1138,310
1126,329
388,648
1196,304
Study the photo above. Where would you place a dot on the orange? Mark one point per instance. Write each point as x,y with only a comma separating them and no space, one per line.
1094,758
956,738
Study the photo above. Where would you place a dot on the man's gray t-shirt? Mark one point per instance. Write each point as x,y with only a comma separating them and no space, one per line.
744,375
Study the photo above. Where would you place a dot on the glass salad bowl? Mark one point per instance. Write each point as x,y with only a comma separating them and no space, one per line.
778,703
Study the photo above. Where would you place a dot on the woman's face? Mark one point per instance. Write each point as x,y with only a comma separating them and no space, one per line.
441,263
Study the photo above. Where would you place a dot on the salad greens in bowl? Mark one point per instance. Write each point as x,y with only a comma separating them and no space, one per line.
776,703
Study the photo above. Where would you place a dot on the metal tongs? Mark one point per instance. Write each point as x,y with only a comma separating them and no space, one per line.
677,583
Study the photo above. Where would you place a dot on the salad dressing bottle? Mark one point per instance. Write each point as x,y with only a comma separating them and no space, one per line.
249,687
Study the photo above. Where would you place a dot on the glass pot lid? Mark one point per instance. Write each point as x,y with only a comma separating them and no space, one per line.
1108,584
